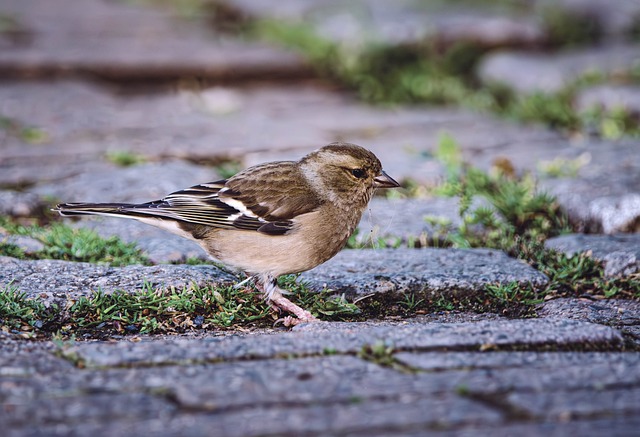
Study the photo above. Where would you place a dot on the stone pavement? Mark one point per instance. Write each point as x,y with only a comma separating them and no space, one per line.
85,80
493,376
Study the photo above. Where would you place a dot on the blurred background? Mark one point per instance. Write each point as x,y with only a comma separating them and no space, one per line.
128,100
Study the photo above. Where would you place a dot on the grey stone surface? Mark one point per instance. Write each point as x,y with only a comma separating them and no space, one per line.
180,386
577,403
617,312
159,246
404,22
605,196
337,337
129,41
420,271
137,184
408,221
623,425
61,281
29,245
19,204
615,19
546,370
530,72
439,361
609,98
354,273
619,253
446,373
211,126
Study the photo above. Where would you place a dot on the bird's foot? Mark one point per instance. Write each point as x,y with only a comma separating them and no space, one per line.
287,321
276,300
302,315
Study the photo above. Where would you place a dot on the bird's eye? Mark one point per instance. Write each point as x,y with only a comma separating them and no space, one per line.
359,173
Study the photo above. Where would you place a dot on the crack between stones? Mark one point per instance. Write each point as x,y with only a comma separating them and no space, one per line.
75,357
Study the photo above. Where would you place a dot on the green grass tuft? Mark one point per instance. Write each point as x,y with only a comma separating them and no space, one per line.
69,244
124,158
19,312
65,243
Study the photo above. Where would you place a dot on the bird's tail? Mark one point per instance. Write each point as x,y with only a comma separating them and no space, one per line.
111,209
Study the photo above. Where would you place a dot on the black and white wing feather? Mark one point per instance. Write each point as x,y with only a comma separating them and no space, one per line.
242,202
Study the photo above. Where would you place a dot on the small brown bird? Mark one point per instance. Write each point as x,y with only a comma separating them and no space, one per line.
271,219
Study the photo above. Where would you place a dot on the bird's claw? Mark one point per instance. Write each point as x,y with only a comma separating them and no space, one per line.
287,321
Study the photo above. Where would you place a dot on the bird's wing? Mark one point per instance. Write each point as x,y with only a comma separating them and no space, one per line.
256,199
273,192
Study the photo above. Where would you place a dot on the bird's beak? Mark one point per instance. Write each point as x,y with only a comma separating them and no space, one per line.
383,180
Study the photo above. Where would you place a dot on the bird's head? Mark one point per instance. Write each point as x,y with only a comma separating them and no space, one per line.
346,171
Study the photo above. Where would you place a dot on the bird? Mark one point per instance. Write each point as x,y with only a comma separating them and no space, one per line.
271,219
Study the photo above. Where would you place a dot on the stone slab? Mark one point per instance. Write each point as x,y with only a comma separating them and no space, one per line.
16,204
394,272
616,402
402,221
540,361
134,184
405,22
349,338
619,253
29,245
543,72
611,312
605,195
618,425
549,372
289,420
195,386
421,271
159,246
615,19
61,281
609,97
127,41
211,126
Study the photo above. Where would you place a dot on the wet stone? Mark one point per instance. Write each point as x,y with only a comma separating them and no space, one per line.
398,272
619,253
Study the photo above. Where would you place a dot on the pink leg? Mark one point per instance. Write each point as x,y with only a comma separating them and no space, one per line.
285,304
273,295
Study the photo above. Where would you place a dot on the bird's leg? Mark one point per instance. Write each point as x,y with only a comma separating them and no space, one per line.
274,297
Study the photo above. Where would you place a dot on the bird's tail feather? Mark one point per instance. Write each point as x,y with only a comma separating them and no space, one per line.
111,209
